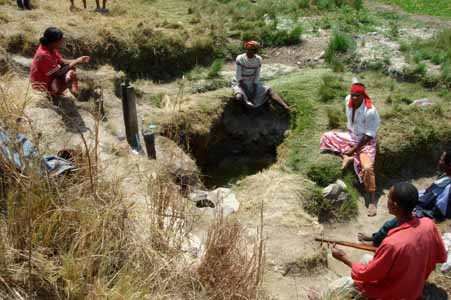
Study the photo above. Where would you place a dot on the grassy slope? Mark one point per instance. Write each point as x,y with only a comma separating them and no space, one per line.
435,8
405,133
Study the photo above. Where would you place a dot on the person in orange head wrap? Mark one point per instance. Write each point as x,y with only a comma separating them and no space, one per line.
246,85
358,144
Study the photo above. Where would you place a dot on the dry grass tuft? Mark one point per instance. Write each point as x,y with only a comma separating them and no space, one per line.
230,269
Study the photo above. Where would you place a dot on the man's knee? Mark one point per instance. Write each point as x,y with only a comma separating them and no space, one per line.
239,97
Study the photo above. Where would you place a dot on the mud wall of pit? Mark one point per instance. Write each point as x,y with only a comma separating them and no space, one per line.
143,53
237,143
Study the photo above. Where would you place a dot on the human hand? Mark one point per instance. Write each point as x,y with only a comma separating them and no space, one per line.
350,152
363,237
84,59
338,253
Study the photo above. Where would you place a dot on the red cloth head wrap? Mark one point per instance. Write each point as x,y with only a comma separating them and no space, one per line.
251,45
358,88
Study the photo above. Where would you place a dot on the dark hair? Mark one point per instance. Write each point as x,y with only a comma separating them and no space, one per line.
405,195
447,158
51,35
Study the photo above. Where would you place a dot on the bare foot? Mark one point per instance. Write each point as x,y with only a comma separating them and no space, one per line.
364,238
346,161
372,210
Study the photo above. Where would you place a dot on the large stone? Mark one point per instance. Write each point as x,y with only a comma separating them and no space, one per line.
21,63
223,200
177,162
336,192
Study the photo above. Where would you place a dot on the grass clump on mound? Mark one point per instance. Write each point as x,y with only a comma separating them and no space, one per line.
325,170
226,268
331,88
340,43
326,210
437,50
336,118
410,130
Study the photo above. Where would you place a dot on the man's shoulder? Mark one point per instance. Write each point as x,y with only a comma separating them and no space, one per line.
372,111
240,58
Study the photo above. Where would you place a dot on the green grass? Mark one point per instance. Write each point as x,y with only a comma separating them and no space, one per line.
405,133
340,43
427,7
437,50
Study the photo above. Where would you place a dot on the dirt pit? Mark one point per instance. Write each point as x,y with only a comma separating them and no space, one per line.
239,143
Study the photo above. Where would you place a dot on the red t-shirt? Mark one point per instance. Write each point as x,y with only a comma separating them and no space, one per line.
45,63
402,262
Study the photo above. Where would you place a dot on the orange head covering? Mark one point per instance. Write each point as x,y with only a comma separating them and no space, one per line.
251,45
358,88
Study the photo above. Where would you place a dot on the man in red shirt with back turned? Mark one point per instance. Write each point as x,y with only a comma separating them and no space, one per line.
405,258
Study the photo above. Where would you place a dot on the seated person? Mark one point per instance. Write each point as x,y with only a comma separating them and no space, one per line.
405,258
49,71
434,202
246,85
358,144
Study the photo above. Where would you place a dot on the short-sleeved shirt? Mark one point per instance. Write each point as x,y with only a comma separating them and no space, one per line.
43,67
248,69
402,262
366,120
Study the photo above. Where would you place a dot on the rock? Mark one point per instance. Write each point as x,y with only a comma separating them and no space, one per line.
422,102
322,55
22,63
336,191
446,267
223,199
193,245
177,162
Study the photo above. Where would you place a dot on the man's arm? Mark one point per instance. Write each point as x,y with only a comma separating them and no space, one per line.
71,63
365,140
374,270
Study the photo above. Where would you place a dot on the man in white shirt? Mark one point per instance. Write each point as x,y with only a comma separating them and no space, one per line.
246,85
359,143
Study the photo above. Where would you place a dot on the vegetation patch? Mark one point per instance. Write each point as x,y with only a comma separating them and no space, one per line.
326,170
434,8
339,45
437,50
331,88
326,210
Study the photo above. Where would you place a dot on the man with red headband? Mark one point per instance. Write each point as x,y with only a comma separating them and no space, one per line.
358,145
246,85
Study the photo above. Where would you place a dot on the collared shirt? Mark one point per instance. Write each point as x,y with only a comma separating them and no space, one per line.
366,120
402,263
44,65
248,69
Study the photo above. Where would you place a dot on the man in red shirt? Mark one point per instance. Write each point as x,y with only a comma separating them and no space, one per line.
49,71
405,258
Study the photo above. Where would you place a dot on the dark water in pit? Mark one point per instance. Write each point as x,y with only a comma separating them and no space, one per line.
233,168
239,144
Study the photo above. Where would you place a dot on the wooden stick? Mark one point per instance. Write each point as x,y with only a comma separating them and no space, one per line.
359,246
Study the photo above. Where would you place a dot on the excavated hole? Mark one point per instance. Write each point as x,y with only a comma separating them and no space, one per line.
238,144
